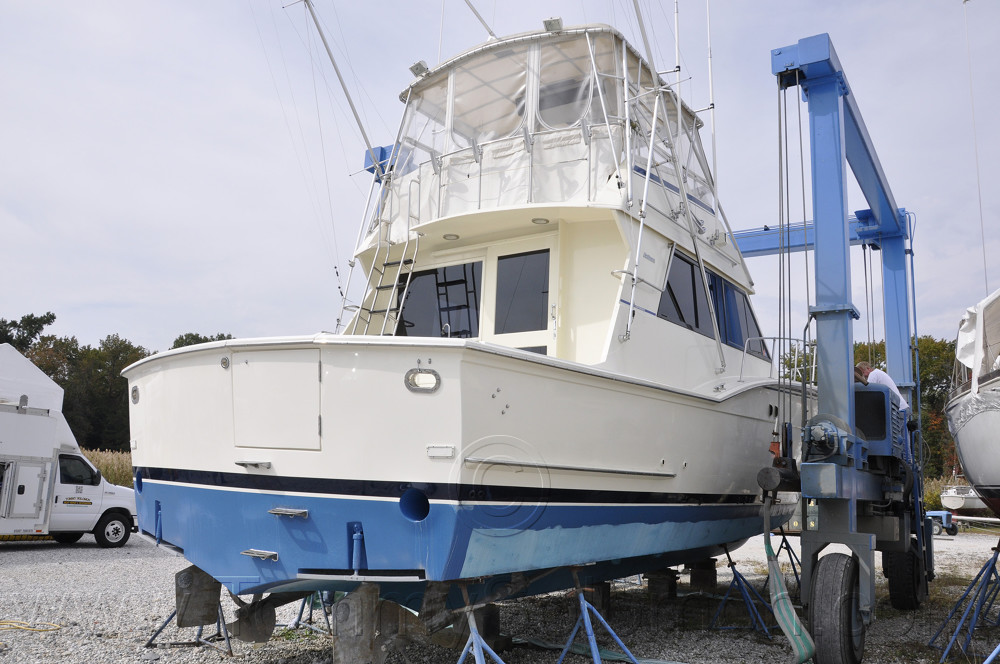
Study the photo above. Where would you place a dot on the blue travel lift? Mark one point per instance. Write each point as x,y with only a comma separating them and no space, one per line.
860,479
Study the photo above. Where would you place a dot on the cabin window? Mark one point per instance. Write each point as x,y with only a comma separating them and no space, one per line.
541,350
442,303
74,470
684,301
737,323
522,292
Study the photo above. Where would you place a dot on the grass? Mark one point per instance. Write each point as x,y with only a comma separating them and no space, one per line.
116,467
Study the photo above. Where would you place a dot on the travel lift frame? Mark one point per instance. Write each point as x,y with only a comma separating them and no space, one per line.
861,482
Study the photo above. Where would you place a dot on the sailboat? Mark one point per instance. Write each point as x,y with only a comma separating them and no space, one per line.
973,409
555,366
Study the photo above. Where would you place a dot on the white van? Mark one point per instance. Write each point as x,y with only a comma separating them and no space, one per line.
47,486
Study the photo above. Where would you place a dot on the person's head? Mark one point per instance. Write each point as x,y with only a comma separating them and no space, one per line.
864,369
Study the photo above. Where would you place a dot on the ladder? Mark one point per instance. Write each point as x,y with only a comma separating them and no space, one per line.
388,280
388,283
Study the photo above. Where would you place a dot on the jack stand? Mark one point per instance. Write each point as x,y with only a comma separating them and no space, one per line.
477,644
793,559
586,608
740,582
310,601
220,625
981,594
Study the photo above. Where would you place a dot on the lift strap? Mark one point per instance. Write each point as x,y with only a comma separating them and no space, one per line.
781,603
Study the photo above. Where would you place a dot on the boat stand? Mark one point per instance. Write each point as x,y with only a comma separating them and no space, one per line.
586,610
748,593
311,601
476,643
981,595
221,632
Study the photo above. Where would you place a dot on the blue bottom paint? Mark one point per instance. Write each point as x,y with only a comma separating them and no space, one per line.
452,541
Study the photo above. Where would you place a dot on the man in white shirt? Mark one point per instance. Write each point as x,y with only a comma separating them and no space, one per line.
882,378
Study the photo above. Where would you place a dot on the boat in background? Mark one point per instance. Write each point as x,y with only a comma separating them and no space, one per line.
973,410
962,497
555,374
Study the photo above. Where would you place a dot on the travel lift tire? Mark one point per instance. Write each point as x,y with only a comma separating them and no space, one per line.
902,571
834,611
112,530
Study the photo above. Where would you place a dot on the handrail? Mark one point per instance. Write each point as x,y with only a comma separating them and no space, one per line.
795,370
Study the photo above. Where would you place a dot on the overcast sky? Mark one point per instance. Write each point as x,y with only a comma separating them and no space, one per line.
191,166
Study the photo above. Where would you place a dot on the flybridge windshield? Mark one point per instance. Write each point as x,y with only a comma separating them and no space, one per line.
540,119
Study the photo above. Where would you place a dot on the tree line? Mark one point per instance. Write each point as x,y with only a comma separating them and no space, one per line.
95,402
95,396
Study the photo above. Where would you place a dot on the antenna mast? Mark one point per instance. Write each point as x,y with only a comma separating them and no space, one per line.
975,144
711,98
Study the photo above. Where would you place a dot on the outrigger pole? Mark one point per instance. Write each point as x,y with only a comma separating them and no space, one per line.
379,173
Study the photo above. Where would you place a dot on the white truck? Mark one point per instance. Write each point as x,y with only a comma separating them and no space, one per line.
47,486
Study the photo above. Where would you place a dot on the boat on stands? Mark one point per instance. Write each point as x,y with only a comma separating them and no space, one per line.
555,364
973,409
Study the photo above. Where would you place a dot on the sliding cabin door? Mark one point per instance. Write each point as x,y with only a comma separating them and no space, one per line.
520,306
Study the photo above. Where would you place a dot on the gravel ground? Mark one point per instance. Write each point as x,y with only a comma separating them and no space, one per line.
107,602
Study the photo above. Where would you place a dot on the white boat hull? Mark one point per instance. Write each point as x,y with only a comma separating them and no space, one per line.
974,421
515,462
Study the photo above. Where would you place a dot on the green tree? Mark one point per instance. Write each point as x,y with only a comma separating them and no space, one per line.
110,419
192,338
95,400
23,333
55,356
937,361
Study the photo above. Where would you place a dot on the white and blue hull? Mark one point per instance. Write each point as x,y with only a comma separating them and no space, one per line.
512,463
216,524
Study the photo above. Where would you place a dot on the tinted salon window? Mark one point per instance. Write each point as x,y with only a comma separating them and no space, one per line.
684,301
442,302
522,292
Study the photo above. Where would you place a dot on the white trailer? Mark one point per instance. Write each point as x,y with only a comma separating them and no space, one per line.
47,486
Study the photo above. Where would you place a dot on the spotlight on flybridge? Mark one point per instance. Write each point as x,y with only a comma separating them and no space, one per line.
553,24
419,68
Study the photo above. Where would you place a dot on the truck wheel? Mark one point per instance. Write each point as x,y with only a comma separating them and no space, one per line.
834,611
937,528
952,529
112,530
902,570
67,538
